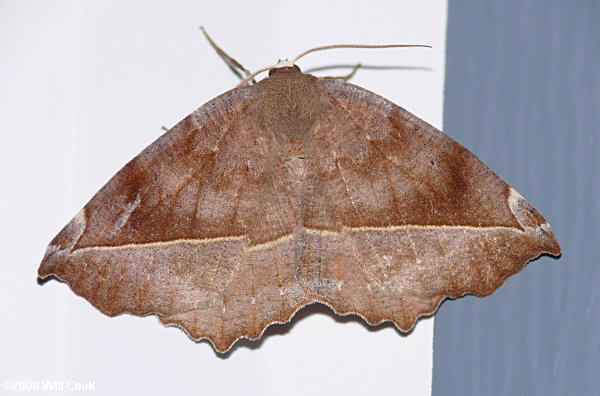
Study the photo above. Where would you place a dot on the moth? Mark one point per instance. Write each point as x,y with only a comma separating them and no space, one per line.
290,191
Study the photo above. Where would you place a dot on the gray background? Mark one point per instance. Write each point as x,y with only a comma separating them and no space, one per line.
523,93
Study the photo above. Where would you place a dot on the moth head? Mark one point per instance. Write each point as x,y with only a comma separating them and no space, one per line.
281,64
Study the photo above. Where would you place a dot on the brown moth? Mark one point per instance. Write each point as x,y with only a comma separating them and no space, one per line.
295,190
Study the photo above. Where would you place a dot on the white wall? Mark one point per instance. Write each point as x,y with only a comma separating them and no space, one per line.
85,87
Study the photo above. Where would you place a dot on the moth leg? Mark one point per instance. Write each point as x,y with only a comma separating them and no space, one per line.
347,76
232,63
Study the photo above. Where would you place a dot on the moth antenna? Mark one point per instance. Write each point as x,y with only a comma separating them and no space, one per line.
251,76
334,46
287,63
232,63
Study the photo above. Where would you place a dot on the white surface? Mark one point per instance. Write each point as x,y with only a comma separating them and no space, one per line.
85,87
